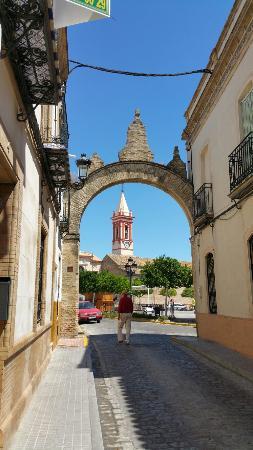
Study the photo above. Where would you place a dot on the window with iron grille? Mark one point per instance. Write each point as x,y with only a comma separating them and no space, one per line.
211,284
251,255
247,114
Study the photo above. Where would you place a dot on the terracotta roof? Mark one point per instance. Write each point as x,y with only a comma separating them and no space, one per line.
122,260
89,256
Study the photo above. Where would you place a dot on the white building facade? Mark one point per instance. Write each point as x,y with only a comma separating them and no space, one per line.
89,262
219,135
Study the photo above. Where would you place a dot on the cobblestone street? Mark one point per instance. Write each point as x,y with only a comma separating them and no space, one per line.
156,395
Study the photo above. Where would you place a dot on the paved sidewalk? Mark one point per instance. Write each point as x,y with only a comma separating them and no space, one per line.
229,359
63,413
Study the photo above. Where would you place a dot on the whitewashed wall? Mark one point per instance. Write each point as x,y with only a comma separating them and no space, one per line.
228,239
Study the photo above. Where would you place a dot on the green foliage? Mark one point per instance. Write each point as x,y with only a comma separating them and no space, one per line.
137,282
102,282
87,281
186,276
169,292
110,314
167,273
188,292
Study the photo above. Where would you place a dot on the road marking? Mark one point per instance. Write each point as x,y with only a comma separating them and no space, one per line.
85,341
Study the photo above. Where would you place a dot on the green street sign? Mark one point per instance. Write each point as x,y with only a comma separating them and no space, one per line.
101,6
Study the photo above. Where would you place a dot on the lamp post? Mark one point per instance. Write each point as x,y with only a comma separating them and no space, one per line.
83,164
130,268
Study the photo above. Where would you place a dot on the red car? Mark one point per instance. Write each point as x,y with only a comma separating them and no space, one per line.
87,312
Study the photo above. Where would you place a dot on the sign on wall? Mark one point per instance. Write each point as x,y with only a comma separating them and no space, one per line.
102,6
71,12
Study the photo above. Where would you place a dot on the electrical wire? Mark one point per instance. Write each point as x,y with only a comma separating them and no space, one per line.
135,74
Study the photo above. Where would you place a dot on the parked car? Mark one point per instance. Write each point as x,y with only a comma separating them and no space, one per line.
149,310
180,307
87,312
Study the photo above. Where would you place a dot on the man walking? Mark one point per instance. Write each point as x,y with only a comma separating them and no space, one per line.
125,310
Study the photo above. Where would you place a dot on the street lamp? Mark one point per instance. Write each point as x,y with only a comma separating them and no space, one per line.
130,268
83,164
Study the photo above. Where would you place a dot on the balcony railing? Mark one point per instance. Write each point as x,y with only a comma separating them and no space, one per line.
28,41
203,204
56,149
65,212
241,164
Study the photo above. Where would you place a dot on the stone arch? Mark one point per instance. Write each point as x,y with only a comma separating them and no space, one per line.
146,172
150,173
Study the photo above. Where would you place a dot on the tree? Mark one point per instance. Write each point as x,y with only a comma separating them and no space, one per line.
171,292
166,273
188,292
87,282
163,272
186,276
102,282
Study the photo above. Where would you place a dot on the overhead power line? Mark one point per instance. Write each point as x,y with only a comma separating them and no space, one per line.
79,65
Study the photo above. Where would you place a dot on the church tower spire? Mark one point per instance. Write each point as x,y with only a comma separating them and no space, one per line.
122,221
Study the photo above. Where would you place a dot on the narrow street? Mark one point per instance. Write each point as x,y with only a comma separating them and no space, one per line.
157,395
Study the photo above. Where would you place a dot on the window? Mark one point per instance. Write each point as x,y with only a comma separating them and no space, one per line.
126,232
204,168
246,107
251,255
40,298
211,284
117,233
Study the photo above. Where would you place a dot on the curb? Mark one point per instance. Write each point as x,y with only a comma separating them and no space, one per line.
180,324
221,362
96,431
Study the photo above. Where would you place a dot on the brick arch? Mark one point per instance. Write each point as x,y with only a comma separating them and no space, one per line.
145,172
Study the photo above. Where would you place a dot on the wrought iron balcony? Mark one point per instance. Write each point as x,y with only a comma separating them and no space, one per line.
241,168
64,224
28,42
56,149
64,215
203,205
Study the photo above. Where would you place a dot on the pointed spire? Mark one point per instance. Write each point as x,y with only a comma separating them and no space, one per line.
176,164
176,153
122,206
136,148
137,114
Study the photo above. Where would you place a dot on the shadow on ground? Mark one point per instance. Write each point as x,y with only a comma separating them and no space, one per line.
167,397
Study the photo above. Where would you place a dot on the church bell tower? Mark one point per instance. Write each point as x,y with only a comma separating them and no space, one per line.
122,221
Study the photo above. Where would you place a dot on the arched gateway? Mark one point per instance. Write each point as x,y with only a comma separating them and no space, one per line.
135,166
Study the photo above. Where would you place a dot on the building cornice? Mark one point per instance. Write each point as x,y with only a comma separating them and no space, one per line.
235,39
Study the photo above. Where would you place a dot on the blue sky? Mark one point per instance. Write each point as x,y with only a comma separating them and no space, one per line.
179,35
